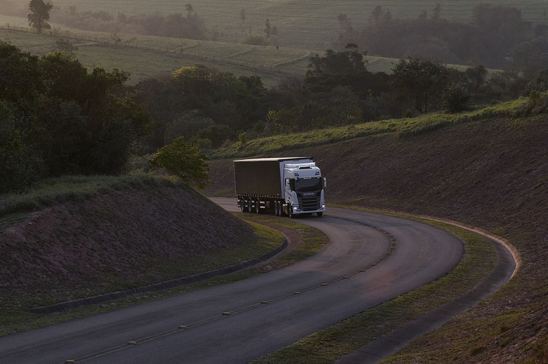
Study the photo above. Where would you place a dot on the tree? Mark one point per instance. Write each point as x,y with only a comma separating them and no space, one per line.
268,29
189,10
183,160
376,14
456,99
420,80
39,15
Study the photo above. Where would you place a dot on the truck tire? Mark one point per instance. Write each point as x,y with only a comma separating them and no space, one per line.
290,211
257,207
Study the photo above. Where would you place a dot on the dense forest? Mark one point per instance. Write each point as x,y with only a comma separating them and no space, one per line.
58,118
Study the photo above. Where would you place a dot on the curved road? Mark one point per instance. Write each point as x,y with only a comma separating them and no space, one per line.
371,259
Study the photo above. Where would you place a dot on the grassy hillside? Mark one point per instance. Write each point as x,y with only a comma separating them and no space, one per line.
402,127
303,23
491,173
148,56
77,237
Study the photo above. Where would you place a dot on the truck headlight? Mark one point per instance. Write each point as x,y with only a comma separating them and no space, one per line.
295,208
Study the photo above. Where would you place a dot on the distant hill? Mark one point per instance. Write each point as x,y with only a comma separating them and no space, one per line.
301,23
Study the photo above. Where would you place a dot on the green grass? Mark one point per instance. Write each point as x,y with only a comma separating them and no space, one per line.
14,308
403,127
326,346
71,188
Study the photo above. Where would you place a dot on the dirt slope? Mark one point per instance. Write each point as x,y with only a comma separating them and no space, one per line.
115,235
492,174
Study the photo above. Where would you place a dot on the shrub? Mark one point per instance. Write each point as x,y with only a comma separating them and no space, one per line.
456,99
183,160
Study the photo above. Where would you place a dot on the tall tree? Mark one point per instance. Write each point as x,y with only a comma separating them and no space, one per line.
189,10
420,80
39,15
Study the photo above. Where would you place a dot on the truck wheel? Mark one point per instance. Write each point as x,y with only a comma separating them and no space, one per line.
290,212
257,207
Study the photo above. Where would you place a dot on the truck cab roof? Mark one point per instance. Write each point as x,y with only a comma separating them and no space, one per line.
279,159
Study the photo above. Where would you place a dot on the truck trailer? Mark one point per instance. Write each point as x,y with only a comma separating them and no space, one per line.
283,186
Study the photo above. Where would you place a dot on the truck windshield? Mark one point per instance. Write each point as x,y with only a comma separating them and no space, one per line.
308,185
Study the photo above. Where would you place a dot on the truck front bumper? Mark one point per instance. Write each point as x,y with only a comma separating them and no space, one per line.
297,211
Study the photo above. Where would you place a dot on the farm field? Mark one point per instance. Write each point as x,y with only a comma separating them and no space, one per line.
148,56
301,23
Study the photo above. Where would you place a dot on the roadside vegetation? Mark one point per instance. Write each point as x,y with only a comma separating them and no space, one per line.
402,127
326,346
16,315
15,207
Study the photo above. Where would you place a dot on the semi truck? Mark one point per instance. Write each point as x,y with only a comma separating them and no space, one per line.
288,186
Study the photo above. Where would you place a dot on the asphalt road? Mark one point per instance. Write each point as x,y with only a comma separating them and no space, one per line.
371,259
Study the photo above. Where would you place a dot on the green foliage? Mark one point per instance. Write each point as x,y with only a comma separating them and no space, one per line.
402,127
423,81
71,188
183,160
19,162
201,103
39,15
456,99
57,118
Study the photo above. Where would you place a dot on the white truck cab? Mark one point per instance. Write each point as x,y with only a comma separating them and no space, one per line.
286,186
304,188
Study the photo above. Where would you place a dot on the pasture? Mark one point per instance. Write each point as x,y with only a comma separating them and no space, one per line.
301,23
149,56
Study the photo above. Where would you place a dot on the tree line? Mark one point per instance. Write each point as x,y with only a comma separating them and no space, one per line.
58,118
212,108
497,36
187,25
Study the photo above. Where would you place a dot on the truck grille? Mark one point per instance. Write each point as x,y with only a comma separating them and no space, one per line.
309,203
